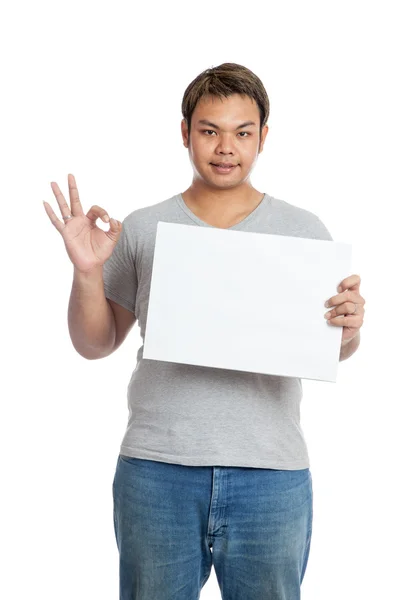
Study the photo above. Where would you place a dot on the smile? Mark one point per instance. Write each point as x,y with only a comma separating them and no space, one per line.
223,169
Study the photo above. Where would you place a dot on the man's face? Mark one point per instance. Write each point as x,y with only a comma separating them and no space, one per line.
229,133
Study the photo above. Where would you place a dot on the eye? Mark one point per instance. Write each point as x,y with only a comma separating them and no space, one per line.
241,133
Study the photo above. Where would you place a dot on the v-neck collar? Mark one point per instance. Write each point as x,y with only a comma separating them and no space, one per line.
199,221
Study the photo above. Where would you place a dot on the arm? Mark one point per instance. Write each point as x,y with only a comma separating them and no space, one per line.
91,320
348,349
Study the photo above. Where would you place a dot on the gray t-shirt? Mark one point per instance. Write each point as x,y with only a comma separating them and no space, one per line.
203,416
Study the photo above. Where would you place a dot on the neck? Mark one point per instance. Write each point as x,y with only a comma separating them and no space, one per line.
216,200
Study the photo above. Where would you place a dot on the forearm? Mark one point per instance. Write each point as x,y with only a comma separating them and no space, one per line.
349,349
91,321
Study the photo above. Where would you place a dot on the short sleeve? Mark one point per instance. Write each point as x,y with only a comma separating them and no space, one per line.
119,273
320,232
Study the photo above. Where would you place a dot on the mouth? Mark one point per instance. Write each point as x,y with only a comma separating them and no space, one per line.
223,167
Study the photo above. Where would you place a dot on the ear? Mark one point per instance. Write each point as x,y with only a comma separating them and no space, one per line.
264,132
184,131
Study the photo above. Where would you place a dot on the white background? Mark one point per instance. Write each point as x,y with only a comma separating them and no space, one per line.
95,89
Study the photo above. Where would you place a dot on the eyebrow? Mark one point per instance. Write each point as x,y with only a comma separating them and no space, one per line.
245,124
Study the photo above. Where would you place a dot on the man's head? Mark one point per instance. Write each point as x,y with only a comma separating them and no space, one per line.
225,110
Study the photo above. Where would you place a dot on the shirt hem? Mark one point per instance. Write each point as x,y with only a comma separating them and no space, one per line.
206,462
112,295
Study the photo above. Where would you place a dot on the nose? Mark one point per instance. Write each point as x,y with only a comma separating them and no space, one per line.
225,145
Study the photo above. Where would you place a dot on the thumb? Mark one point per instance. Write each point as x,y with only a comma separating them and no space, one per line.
115,230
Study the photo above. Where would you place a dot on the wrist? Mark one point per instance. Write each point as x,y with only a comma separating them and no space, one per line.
93,272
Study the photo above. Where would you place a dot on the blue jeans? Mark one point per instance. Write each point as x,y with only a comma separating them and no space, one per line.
173,522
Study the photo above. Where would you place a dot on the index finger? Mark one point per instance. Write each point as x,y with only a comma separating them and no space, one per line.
349,283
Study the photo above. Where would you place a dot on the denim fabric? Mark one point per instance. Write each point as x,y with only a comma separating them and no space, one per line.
174,522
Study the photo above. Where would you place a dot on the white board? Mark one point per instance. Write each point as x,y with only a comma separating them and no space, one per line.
245,301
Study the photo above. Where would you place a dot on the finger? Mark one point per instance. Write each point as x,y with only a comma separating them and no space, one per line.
352,282
352,321
347,296
345,309
76,206
53,217
62,203
96,212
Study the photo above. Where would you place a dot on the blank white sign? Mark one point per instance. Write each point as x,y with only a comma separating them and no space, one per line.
245,301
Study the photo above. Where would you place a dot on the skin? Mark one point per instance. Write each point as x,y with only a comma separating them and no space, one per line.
342,314
223,200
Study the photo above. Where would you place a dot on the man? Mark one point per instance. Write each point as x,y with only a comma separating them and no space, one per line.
213,467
